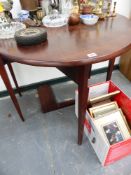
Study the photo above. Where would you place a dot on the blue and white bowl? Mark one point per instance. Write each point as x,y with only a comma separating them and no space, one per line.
89,19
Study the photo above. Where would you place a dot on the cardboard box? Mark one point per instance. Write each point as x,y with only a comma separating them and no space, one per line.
106,153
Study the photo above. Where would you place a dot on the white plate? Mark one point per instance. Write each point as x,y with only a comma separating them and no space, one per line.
55,20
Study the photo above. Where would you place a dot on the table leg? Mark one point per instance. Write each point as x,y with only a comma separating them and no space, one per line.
7,83
80,76
83,92
90,71
14,79
110,69
48,101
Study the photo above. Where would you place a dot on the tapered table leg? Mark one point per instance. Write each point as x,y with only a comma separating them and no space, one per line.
7,83
83,90
110,69
90,71
14,79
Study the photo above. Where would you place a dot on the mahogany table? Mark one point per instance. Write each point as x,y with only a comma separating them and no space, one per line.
70,49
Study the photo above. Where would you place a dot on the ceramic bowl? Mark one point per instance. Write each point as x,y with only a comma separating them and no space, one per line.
89,19
55,20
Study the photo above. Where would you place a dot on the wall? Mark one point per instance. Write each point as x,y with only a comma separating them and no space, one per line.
28,74
124,7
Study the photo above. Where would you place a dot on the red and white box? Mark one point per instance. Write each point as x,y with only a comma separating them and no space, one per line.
106,153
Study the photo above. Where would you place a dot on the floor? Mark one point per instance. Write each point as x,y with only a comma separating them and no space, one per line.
46,144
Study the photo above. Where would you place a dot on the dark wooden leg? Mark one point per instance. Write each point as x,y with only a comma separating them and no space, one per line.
48,101
14,78
90,71
83,91
110,69
7,83
80,76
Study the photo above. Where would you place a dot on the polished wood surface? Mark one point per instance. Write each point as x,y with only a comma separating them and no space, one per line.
70,46
49,102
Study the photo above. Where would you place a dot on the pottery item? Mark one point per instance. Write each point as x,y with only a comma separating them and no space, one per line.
30,5
87,10
89,19
74,19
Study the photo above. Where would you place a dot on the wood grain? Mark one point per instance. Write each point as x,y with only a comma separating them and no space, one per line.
70,46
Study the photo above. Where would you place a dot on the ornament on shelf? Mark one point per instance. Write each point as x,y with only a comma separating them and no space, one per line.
91,3
99,7
75,8
114,10
108,14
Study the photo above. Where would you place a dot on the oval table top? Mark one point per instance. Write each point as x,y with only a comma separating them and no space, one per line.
74,45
